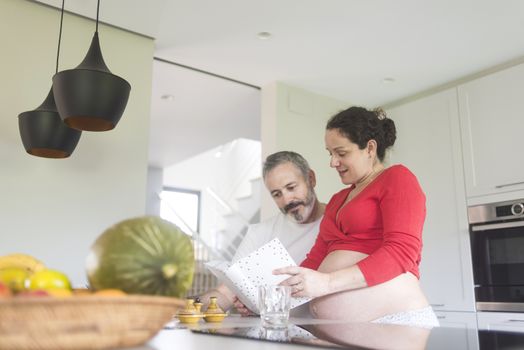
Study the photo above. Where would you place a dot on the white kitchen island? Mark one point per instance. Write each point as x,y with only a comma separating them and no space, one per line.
232,333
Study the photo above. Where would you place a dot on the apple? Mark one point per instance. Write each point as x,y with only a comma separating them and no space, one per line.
5,292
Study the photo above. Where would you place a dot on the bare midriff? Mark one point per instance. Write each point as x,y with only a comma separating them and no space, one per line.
402,293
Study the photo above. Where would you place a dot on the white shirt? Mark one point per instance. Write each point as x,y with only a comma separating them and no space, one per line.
297,238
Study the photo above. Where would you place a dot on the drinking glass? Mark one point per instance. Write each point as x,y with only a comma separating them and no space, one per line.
273,303
274,334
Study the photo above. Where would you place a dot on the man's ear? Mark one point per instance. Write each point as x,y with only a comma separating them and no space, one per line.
312,178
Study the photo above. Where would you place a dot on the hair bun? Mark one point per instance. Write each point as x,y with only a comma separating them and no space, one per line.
390,131
380,113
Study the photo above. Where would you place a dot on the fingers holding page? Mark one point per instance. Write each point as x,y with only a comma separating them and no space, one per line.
295,278
288,270
241,308
305,282
295,281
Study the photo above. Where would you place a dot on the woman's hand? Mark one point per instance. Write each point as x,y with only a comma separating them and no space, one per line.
241,308
305,282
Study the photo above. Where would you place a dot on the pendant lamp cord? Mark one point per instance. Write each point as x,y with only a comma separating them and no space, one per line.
60,31
59,36
97,11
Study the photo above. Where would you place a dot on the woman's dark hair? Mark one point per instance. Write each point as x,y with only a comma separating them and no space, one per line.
360,125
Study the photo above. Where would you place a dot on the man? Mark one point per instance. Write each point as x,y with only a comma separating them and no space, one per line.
291,182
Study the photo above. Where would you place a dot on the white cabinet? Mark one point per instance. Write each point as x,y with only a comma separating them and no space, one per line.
463,336
501,321
428,143
457,319
492,128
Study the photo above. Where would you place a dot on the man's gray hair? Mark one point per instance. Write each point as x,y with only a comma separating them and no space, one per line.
275,159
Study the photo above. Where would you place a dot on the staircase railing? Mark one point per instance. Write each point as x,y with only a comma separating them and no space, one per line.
226,205
236,167
254,160
203,280
243,171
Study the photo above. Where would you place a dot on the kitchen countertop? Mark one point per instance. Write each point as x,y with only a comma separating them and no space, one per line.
237,333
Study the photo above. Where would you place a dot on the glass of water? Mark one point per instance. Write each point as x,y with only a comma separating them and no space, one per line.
274,334
273,303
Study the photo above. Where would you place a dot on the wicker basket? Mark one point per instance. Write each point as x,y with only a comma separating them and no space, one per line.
88,322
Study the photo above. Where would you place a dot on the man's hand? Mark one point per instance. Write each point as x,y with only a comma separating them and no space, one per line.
305,282
241,308
222,293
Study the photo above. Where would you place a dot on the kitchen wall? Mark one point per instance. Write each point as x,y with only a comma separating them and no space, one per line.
155,184
55,208
294,119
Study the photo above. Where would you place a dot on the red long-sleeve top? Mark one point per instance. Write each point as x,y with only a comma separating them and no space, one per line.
384,220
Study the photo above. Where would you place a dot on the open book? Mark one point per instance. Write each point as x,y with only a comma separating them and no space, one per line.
245,275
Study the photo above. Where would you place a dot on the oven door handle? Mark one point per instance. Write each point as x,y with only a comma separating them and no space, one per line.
500,306
485,227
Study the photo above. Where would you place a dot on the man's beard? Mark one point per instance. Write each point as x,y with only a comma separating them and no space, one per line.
308,203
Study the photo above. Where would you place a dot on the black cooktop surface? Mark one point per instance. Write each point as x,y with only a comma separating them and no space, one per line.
378,336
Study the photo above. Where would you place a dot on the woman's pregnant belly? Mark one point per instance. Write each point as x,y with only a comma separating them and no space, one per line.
366,304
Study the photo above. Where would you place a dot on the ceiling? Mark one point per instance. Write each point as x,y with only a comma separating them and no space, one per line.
364,52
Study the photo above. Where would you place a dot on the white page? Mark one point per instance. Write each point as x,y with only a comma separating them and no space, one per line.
247,274
233,279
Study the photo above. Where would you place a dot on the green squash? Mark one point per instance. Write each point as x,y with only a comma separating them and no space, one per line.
145,255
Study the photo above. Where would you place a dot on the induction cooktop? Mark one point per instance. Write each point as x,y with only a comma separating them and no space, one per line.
377,336
293,334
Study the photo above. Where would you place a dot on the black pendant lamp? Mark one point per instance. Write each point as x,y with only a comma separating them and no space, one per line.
90,97
43,132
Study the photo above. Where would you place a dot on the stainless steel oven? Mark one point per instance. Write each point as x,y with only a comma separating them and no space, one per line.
497,247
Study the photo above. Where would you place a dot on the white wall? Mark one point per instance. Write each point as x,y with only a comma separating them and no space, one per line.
155,179
295,120
54,209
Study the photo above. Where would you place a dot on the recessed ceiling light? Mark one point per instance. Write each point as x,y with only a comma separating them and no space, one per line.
388,80
264,35
167,97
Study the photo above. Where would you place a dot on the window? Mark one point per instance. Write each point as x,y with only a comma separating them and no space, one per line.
181,207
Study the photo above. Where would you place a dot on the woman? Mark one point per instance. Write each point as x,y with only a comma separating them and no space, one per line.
364,264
